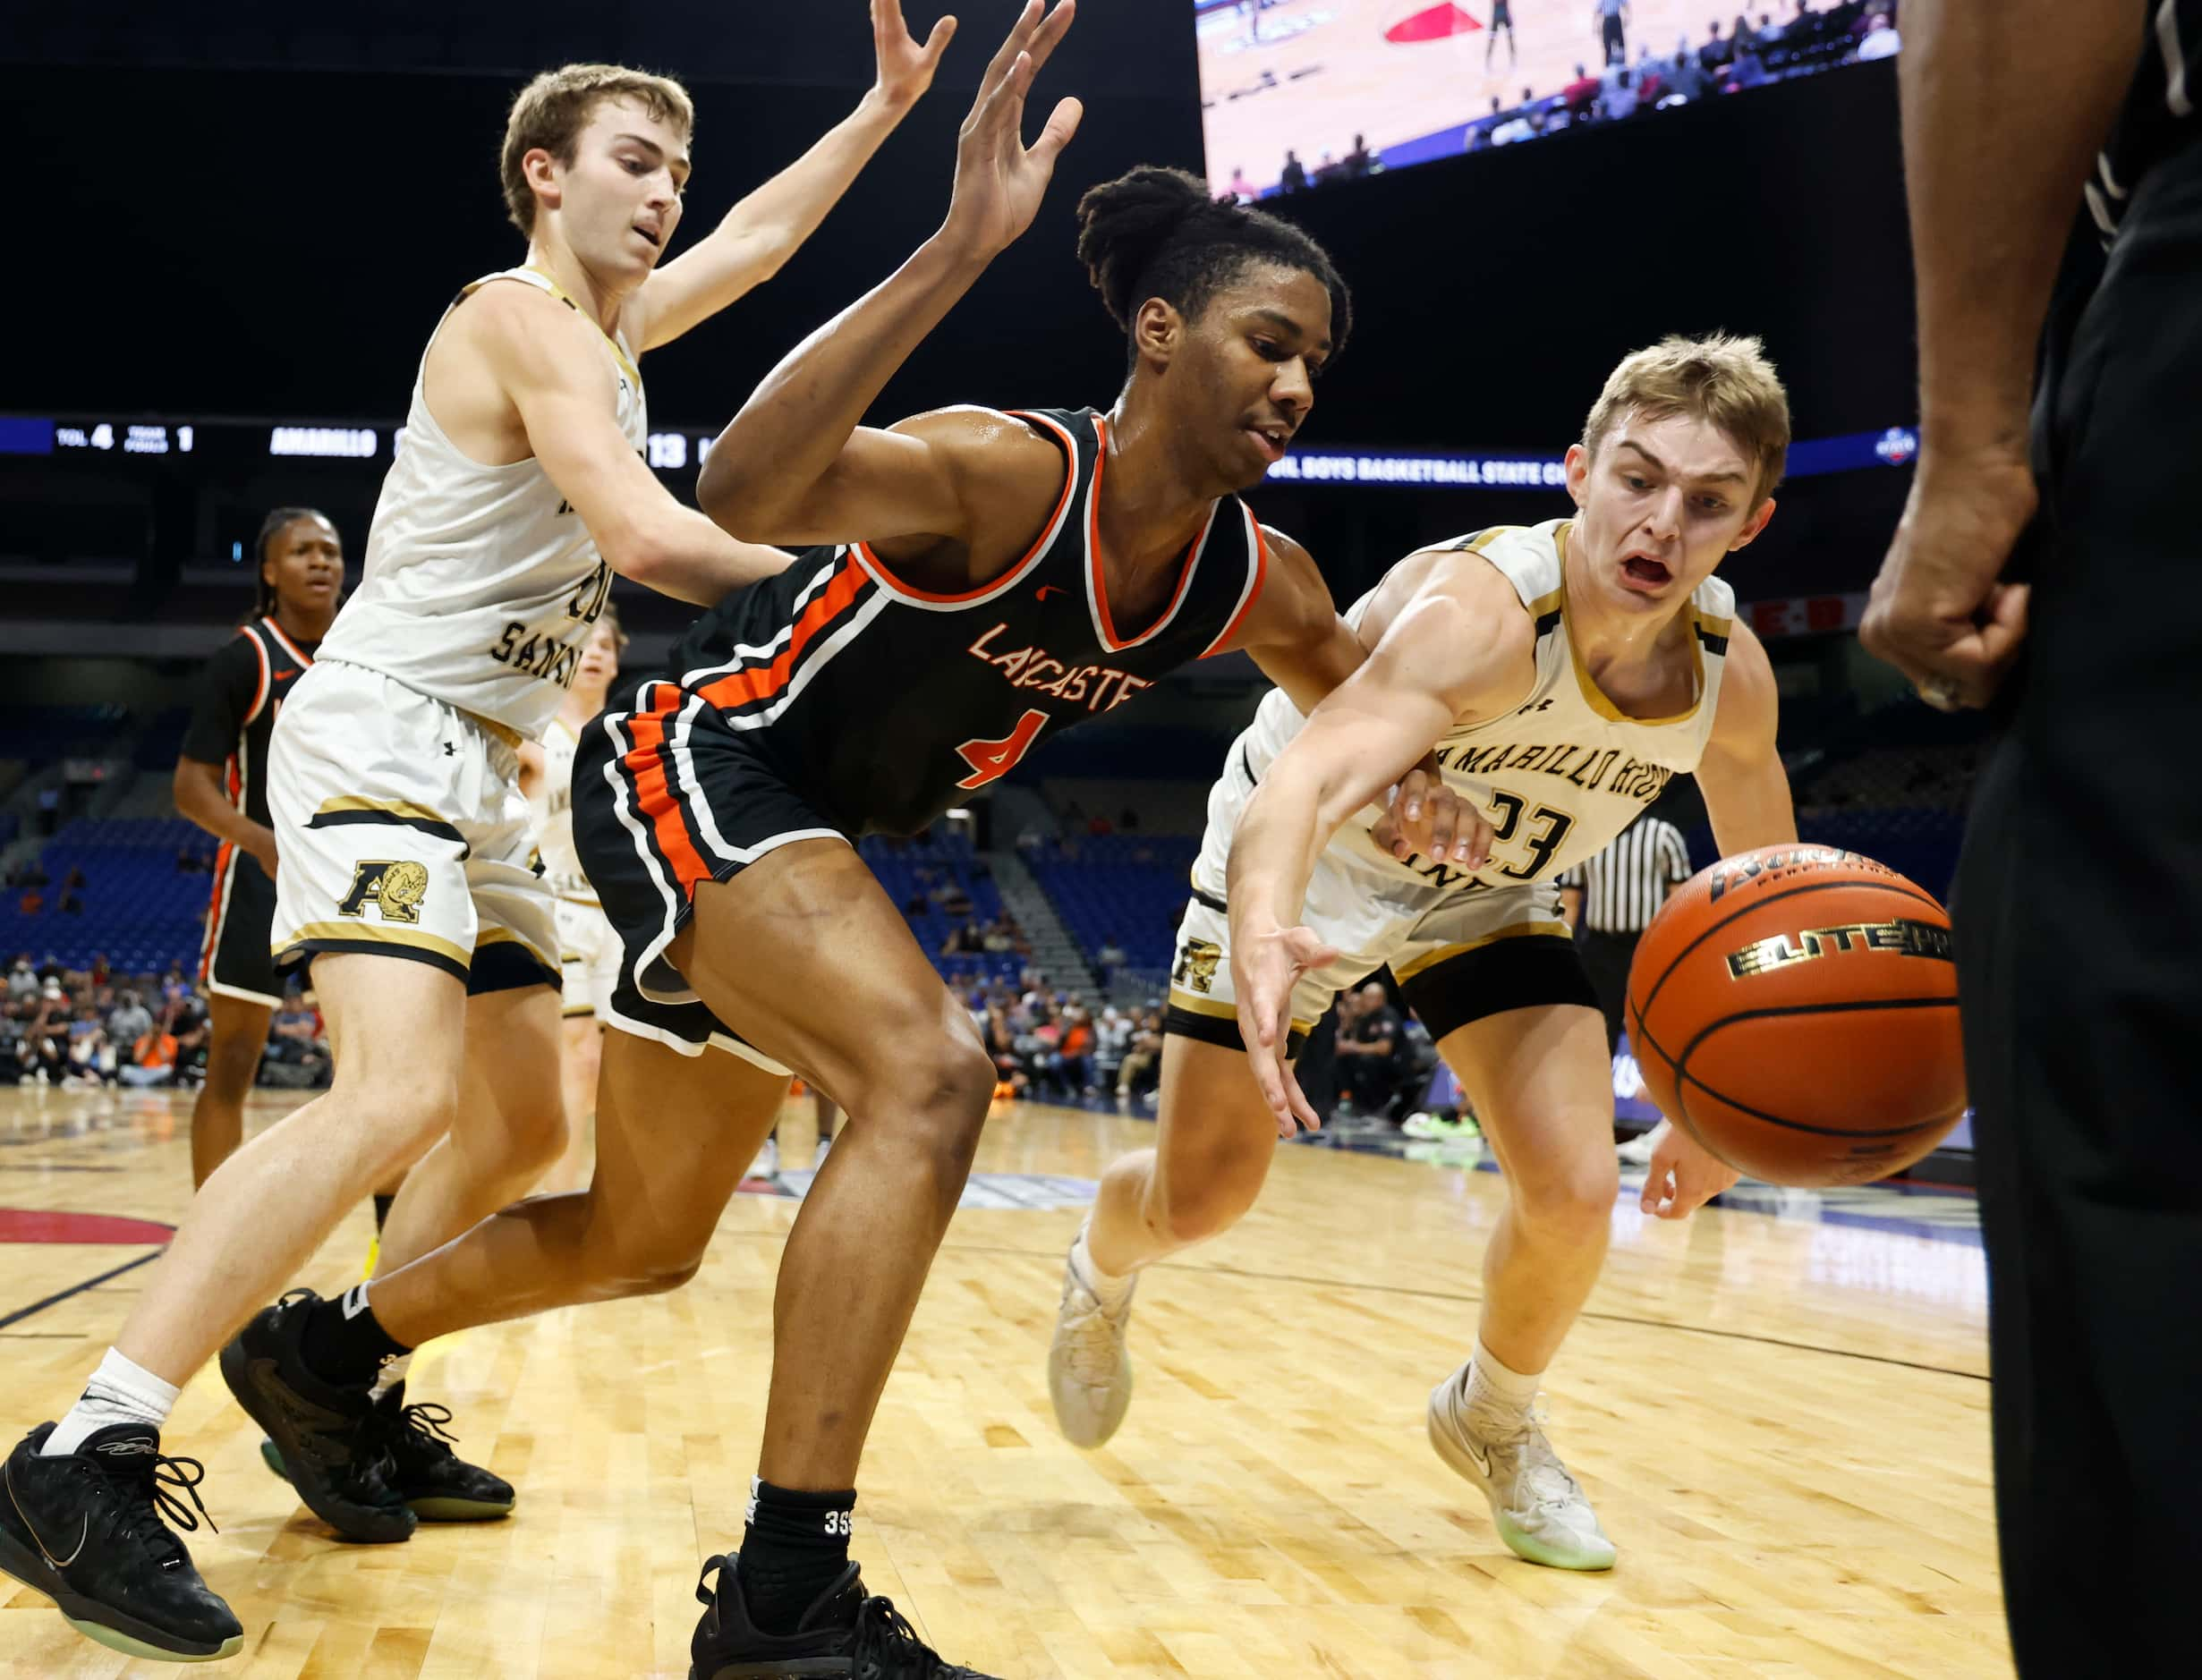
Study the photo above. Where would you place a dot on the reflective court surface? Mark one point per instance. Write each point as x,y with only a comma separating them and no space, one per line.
1779,1408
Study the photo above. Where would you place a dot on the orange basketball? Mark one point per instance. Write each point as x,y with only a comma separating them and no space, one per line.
1795,1009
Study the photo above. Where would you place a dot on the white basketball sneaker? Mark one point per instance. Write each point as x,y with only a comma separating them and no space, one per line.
1541,1513
1089,1369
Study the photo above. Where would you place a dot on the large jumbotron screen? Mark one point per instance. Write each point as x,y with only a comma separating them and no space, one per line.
1416,82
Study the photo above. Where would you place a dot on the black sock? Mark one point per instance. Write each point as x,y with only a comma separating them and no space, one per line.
795,1546
382,1212
343,1343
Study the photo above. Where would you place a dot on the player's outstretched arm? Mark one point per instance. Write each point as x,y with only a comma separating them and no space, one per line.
1294,634
1454,652
1747,791
767,226
545,359
795,466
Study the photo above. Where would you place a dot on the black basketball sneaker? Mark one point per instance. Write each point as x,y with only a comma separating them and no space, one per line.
433,1481
846,1633
85,1529
331,1438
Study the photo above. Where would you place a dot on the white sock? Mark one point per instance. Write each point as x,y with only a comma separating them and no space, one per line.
391,1374
1496,1387
121,1391
1109,1289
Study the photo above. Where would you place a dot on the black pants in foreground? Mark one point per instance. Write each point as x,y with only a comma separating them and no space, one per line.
2078,913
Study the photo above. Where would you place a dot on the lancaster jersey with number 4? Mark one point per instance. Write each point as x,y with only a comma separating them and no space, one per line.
1563,772
481,582
884,704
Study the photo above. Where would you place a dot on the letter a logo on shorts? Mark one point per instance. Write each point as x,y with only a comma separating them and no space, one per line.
393,886
1196,969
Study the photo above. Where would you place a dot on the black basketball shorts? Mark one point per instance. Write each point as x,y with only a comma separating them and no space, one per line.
666,796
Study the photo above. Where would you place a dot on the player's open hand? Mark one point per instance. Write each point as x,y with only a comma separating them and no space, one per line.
906,68
1426,816
1265,966
1684,1174
999,178
1940,612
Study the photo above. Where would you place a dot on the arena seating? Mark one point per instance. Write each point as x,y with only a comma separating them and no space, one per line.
142,909
948,857
1125,886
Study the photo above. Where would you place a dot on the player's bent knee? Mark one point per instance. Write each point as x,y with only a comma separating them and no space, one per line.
1573,1199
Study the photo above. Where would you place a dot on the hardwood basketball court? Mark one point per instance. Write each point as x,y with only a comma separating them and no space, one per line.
1779,1410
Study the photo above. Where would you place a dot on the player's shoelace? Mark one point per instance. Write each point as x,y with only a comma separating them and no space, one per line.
420,1428
145,1488
1092,1353
1542,1476
887,1647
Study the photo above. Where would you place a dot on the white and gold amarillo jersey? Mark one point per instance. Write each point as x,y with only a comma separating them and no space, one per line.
1561,774
481,582
553,810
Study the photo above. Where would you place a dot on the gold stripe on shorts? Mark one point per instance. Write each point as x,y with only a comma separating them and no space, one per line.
1445,952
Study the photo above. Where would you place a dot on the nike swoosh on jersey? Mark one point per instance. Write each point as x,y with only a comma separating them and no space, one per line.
281,675
1042,592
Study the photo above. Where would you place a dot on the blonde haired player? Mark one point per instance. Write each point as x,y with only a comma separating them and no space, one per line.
588,947
517,492
1564,672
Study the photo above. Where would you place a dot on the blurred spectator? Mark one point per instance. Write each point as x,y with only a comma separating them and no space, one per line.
1882,41
1686,77
1477,137
75,879
1240,188
295,1040
22,978
152,1056
1715,54
1113,1038
1522,125
1361,161
1611,18
131,1021
91,1061
1073,1066
1748,69
1138,1071
32,902
1621,99
71,904
1127,821
1579,96
1111,956
1293,177
1368,1047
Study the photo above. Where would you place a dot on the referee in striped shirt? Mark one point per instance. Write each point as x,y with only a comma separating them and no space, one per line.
1610,900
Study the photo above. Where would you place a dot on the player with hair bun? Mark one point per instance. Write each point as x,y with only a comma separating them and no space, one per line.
1071,559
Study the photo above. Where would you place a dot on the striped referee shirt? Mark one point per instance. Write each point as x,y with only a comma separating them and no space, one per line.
1624,885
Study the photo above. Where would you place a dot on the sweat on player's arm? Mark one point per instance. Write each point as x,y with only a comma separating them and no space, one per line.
541,356
767,226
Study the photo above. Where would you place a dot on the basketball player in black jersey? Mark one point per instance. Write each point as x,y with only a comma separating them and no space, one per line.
1074,558
221,784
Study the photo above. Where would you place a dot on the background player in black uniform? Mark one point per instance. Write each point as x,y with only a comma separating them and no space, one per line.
1074,558
221,784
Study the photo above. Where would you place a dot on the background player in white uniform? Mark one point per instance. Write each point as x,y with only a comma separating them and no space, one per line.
1565,672
588,948
518,489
